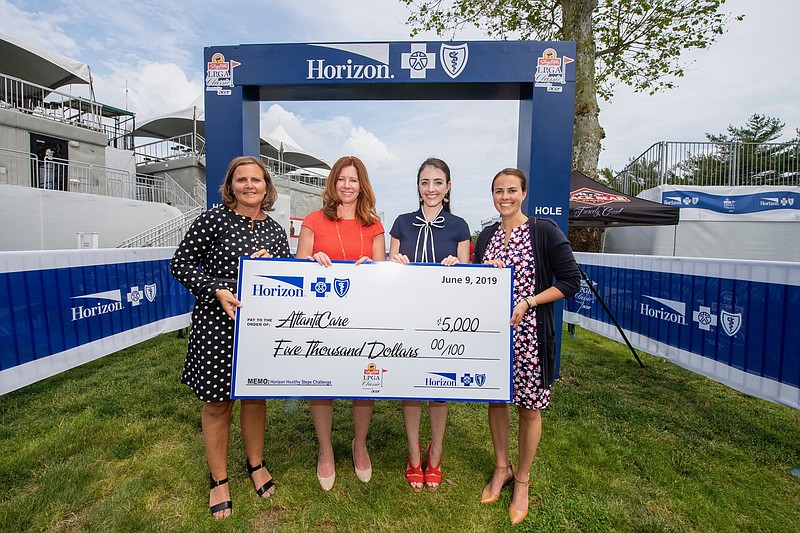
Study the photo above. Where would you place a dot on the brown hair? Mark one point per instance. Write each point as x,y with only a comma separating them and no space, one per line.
226,189
441,165
523,181
365,203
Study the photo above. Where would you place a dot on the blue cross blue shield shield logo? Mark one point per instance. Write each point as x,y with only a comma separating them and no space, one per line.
454,59
150,292
341,286
731,322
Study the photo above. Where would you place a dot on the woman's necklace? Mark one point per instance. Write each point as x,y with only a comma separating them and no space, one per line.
341,243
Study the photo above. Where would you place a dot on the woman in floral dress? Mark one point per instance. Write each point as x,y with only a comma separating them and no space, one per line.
539,253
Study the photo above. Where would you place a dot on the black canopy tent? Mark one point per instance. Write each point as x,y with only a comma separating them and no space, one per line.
592,204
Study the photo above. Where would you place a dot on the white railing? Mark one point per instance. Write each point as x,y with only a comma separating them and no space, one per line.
709,163
199,192
45,102
15,163
178,196
281,170
151,189
73,176
172,148
169,233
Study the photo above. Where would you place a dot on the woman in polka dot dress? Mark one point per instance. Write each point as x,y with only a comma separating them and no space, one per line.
544,271
207,262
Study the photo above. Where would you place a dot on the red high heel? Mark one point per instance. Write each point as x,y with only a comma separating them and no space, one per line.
414,473
433,474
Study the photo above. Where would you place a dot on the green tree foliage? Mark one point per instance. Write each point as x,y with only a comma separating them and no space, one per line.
635,42
758,129
606,176
746,155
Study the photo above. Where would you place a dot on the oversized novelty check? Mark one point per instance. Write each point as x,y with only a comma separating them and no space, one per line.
372,331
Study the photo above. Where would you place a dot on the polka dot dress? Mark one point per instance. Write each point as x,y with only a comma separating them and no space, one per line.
206,261
529,390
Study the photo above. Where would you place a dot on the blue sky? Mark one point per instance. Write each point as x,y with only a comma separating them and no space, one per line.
147,56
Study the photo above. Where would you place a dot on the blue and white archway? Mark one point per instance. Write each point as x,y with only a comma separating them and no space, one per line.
540,75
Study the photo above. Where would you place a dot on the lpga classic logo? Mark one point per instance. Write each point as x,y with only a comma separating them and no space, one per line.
219,74
551,70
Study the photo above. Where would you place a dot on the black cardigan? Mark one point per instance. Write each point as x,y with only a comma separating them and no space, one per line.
552,257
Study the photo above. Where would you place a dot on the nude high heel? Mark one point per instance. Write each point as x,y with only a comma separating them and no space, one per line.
517,515
327,482
487,496
363,475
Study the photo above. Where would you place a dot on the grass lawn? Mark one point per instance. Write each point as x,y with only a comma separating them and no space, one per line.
115,445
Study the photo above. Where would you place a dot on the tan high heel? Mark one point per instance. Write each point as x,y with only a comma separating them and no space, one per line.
326,482
487,496
515,514
363,475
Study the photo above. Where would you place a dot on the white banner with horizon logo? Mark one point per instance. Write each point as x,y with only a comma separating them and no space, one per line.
372,331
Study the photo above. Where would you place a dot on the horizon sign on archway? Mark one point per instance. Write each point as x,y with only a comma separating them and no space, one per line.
540,75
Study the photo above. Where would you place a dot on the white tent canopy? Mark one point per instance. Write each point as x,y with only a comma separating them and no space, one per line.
182,122
34,64
277,145
290,152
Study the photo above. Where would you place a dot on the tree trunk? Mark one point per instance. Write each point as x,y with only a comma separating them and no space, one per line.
587,133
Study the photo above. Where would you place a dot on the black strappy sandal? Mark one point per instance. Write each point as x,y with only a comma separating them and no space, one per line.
266,486
222,505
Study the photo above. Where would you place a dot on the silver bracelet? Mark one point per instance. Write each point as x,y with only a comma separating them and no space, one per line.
529,299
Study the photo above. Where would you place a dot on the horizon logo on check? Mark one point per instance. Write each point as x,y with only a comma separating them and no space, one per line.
451,379
281,287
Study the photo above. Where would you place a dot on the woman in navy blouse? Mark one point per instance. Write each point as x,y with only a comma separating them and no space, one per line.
429,235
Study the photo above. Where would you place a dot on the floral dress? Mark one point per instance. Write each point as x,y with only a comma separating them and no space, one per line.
527,380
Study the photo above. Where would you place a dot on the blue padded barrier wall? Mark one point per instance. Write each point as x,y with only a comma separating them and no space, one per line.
729,320
61,309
